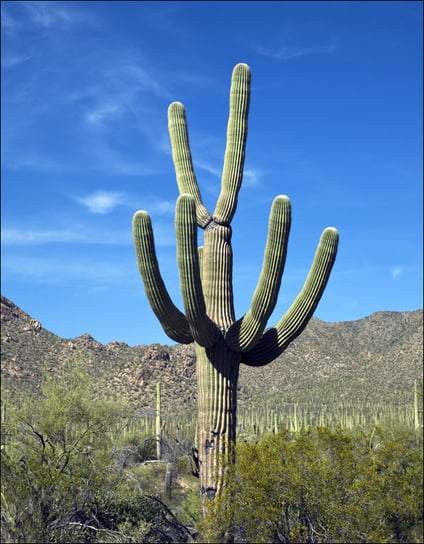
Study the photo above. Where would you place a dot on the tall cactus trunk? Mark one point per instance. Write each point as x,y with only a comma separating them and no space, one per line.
217,366
217,376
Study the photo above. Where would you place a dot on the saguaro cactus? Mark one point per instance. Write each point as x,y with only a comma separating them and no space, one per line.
223,342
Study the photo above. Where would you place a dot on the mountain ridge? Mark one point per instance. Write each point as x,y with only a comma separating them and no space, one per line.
376,357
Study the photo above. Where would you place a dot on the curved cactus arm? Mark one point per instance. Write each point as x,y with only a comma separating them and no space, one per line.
245,333
232,173
181,155
203,329
276,339
172,320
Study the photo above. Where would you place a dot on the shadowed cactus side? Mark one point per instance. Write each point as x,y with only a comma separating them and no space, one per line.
223,342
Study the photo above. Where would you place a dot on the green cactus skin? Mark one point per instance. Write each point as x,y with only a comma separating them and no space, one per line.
223,342
173,321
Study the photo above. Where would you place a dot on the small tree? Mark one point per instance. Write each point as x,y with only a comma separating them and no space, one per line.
223,342
56,462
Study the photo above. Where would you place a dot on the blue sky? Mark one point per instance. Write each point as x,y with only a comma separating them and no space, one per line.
335,123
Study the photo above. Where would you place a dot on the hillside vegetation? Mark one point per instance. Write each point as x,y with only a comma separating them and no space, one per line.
370,361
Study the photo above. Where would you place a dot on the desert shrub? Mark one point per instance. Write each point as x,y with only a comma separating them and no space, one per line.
140,518
135,449
63,479
322,485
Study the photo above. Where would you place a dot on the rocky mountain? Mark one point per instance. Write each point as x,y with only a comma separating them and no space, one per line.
373,359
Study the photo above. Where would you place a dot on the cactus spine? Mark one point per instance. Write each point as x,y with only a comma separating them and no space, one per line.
223,342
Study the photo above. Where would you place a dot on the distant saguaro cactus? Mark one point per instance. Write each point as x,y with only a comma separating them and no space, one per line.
223,342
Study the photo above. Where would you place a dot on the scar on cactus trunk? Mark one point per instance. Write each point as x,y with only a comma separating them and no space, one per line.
223,342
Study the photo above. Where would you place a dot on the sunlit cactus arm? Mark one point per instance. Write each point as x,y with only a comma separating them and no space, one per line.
277,338
204,330
245,333
172,320
181,155
232,173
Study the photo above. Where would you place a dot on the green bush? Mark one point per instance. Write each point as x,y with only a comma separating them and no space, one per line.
322,485
62,477
140,519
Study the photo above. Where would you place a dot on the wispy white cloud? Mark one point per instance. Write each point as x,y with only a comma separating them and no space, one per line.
161,207
251,176
396,272
122,93
28,160
143,79
13,59
287,52
47,14
103,112
101,202
94,155
19,237
24,16
207,167
59,271
13,18
76,235
102,157
208,156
